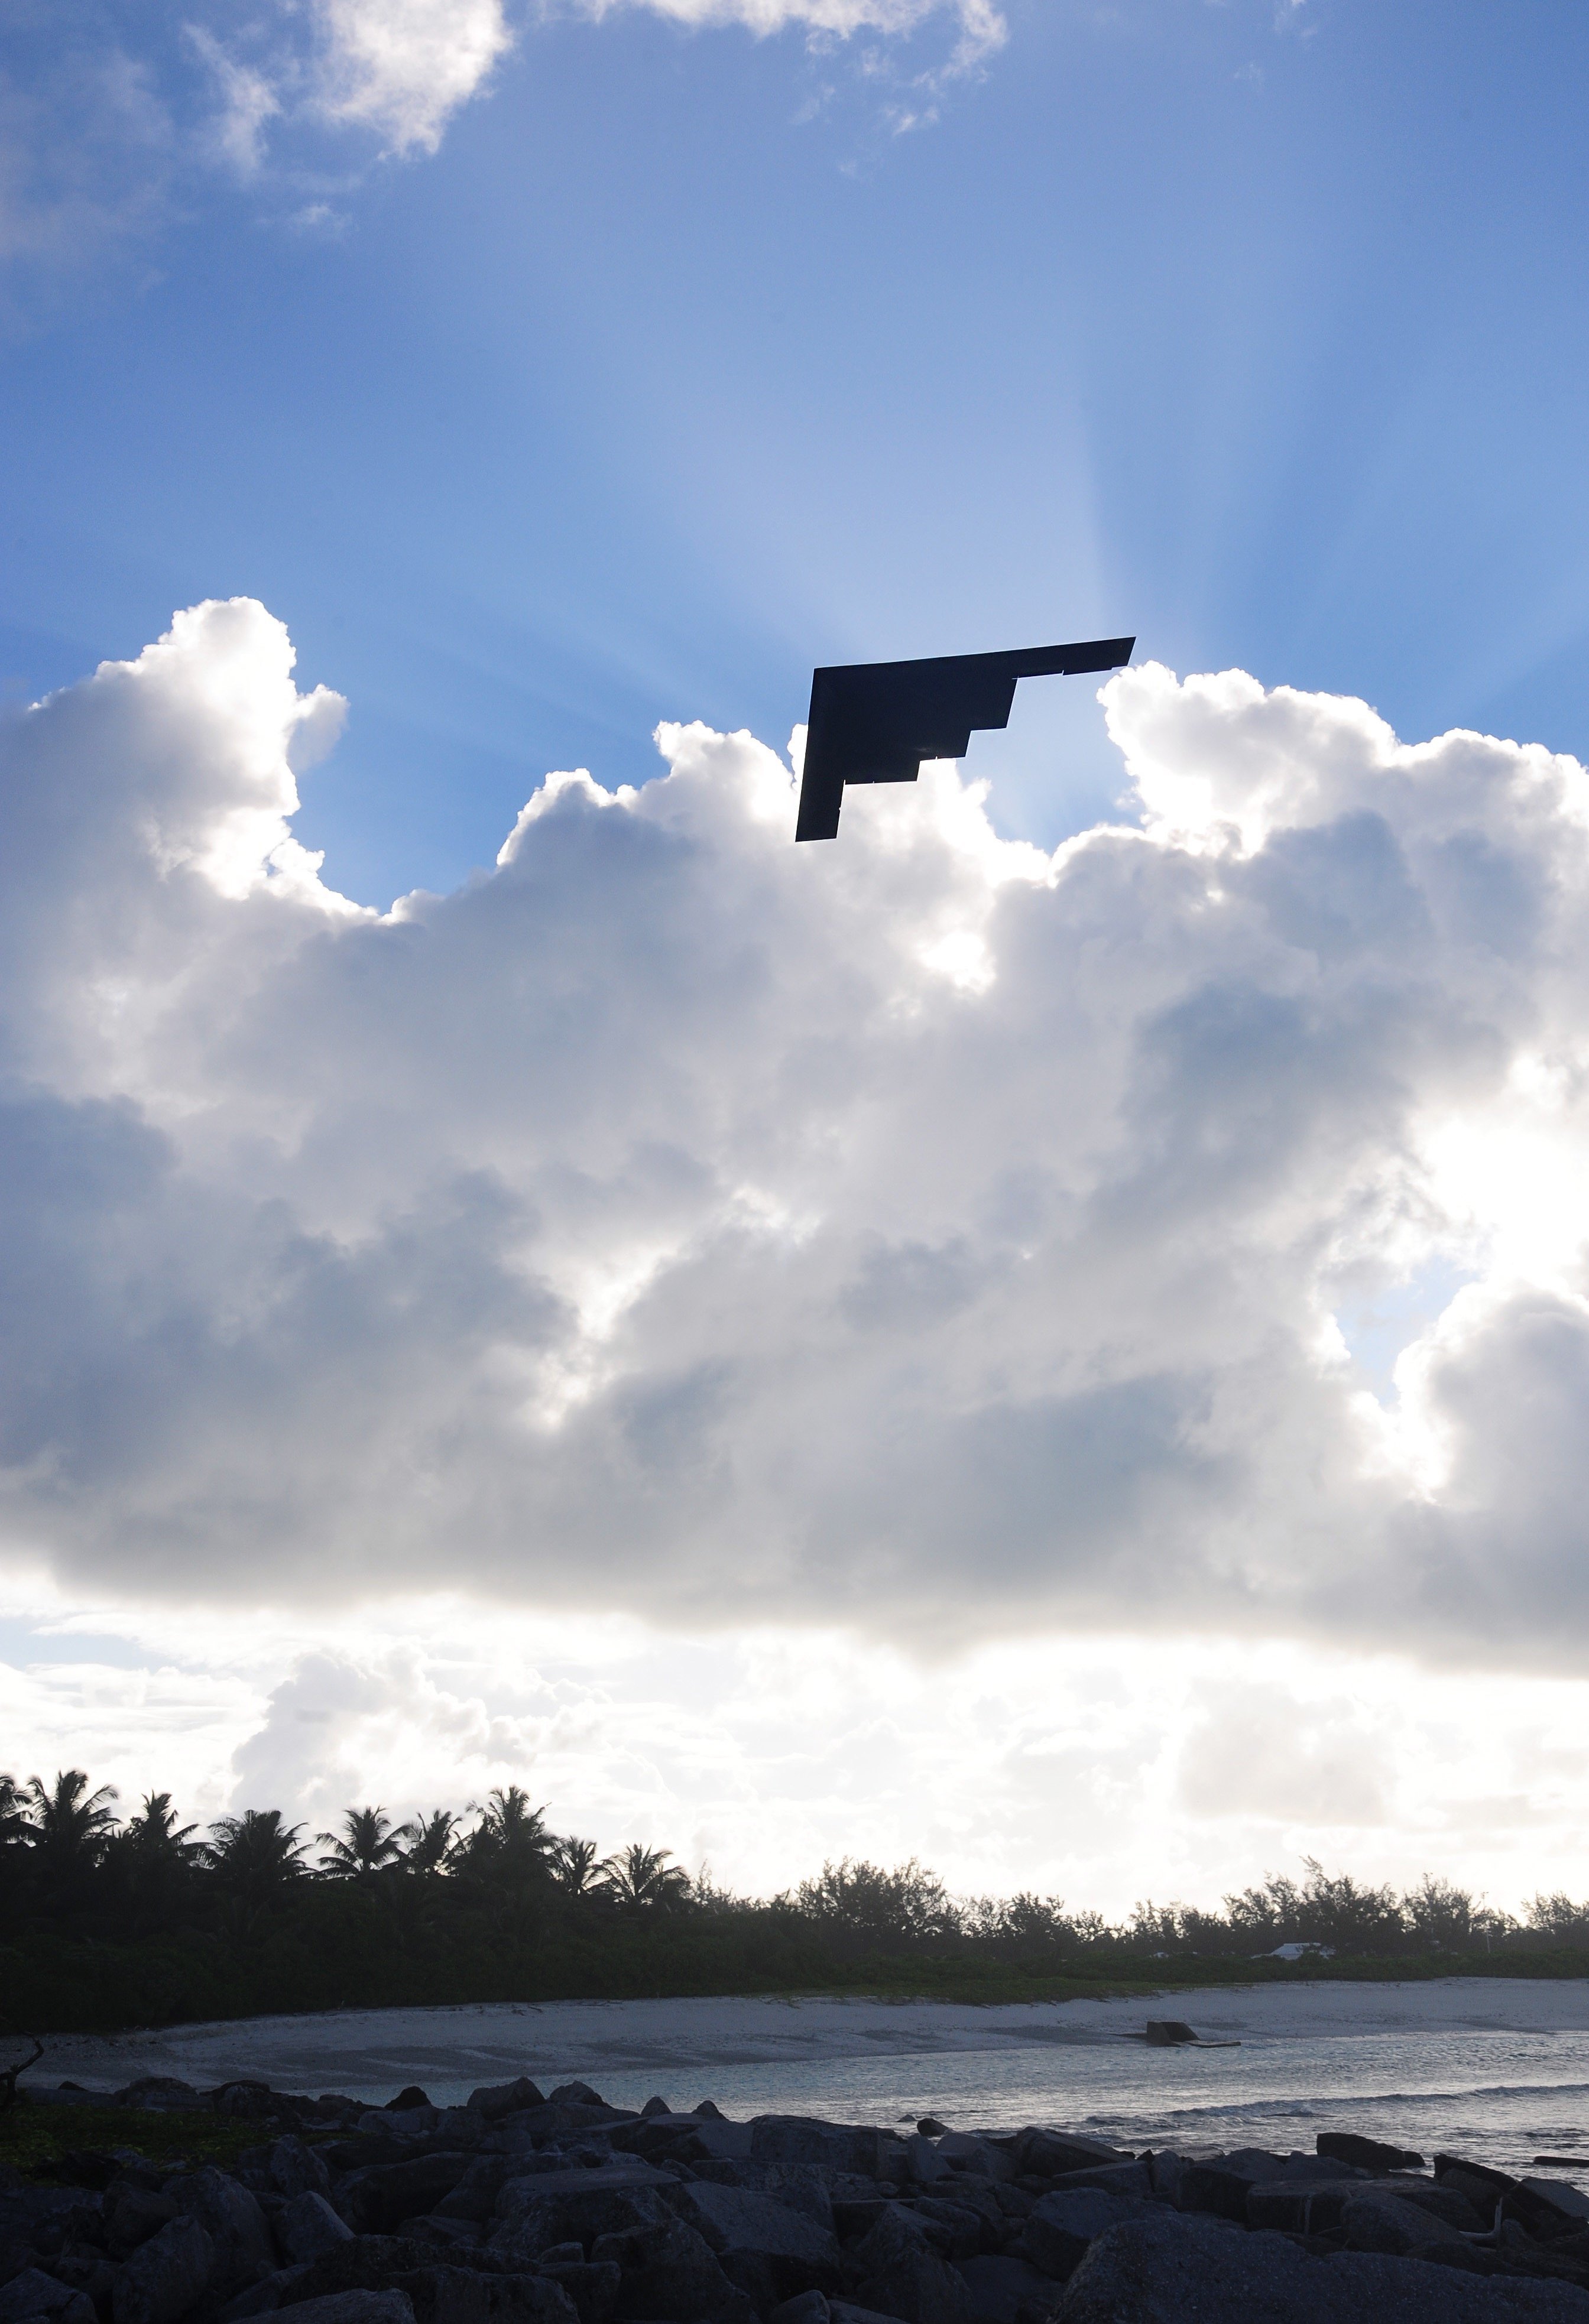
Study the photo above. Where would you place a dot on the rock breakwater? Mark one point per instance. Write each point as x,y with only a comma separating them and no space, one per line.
532,2207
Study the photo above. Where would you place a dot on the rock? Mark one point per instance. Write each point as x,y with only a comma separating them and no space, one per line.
1113,2177
810,2308
476,2194
232,2218
413,2096
459,2295
1569,2200
655,2106
1301,2206
1179,2270
768,2250
162,2093
352,2308
576,2094
897,2272
132,2215
606,2204
377,2199
955,2229
670,2273
165,2276
498,2099
1377,2222
925,2163
32,2292
1167,2032
365,2263
1045,2155
1368,2153
307,2226
1220,2194
836,2147
1002,2287
977,2154
1056,2236
593,2287
294,2168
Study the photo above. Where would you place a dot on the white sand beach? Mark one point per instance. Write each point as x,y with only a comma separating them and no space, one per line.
710,2043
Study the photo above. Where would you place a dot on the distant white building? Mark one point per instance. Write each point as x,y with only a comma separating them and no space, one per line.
1297,1952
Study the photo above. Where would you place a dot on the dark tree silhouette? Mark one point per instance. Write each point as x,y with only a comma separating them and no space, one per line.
575,1867
254,1858
368,1846
640,1879
428,1841
67,1828
511,1843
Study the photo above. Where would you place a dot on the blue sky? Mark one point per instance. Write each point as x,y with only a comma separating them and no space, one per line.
1070,1365
1258,330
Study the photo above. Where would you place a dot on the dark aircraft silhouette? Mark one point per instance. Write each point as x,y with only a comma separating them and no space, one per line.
875,722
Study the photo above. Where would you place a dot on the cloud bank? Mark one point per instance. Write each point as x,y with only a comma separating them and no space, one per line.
919,1234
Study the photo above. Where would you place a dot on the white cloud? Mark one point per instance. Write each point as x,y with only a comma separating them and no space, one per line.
1098,1768
403,68
915,1234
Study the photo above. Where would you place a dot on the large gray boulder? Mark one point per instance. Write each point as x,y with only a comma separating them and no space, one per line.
32,2294
732,2218
1115,2178
295,2169
1046,2154
1178,2269
352,2308
459,2295
836,2146
980,2155
576,2207
234,2222
499,2098
1002,2287
1375,2221
165,2276
671,2273
1062,2225
896,2272
308,2225
376,2201
592,2287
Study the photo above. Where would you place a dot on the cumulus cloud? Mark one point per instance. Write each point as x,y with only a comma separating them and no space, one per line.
922,1234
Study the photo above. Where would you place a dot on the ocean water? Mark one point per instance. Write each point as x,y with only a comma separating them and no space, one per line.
1501,2097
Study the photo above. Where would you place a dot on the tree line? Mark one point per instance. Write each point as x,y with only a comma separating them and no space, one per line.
107,1921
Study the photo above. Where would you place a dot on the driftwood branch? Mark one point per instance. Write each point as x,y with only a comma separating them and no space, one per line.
8,2075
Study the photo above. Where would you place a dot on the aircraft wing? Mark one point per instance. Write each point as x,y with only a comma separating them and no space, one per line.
875,722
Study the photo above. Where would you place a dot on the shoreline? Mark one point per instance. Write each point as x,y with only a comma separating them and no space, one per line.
585,2040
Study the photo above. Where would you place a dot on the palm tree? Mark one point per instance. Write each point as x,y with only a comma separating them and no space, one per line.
641,1880
254,1858
575,1867
67,1828
371,1845
155,1858
152,1835
12,1813
511,1841
428,1841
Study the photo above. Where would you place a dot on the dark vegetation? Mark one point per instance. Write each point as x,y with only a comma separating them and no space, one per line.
107,1923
